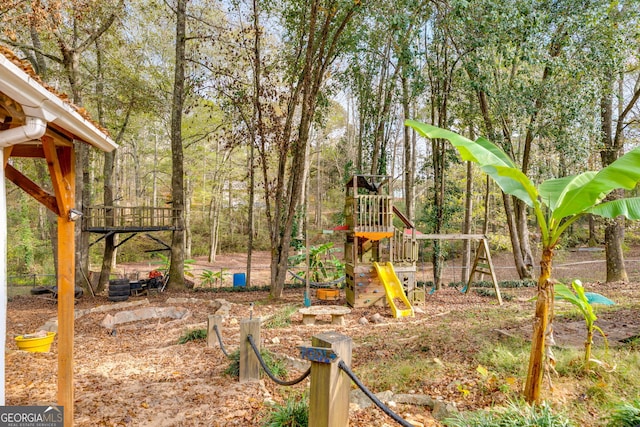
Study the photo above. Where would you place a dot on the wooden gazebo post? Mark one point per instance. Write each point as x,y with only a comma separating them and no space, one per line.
37,123
61,163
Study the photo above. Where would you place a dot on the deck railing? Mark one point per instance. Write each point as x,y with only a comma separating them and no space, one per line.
127,217
405,247
371,213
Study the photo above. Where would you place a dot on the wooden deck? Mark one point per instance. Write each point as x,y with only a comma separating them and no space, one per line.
125,219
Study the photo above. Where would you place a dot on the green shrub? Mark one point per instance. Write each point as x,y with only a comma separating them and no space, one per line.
514,415
193,335
625,414
292,413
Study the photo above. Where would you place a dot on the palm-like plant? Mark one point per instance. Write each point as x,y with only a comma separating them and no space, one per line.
556,204
584,301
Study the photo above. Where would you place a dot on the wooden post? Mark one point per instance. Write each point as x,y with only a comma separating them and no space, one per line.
329,390
212,338
249,363
66,268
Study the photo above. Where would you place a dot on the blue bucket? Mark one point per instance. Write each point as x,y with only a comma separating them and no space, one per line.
239,280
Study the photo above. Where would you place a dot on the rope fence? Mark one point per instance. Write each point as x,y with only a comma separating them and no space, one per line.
268,371
224,351
331,376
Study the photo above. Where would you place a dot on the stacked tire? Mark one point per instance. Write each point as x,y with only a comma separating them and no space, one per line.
119,290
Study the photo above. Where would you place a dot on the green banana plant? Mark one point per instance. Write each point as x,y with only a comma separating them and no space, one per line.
584,301
556,203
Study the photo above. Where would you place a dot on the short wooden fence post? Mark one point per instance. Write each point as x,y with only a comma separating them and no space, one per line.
329,390
249,363
214,320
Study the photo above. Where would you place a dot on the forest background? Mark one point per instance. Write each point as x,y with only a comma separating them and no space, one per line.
249,117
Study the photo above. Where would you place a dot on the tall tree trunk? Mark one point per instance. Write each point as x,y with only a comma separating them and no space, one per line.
512,223
214,220
187,219
257,125
466,226
176,268
612,145
319,49
409,154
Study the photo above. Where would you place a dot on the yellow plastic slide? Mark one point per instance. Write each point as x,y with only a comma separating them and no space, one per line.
394,291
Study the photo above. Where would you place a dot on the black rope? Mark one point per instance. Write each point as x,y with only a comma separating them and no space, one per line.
372,396
266,368
215,328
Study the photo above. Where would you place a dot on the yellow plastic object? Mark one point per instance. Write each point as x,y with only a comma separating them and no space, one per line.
328,294
393,289
374,235
35,344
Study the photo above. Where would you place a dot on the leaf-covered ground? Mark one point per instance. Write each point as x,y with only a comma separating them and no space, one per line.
140,376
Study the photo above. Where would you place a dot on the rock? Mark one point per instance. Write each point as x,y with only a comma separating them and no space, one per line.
108,322
442,410
359,400
275,340
363,321
143,314
385,396
377,318
415,399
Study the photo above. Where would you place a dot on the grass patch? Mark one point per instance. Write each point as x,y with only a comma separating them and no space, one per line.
509,358
193,335
281,318
294,412
625,414
514,415
398,374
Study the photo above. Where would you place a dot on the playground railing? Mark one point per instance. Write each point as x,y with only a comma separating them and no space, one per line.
405,247
370,213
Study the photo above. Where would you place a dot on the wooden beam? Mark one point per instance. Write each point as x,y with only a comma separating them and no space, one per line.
28,151
454,236
407,222
61,186
33,189
66,280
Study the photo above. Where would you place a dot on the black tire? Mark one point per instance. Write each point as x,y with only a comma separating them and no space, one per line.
119,287
118,298
78,292
41,290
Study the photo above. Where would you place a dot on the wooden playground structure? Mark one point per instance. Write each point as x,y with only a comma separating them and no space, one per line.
380,259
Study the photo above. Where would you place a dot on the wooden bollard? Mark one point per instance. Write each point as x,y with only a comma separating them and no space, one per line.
329,390
249,363
213,320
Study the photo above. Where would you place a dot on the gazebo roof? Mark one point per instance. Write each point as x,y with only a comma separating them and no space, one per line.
22,94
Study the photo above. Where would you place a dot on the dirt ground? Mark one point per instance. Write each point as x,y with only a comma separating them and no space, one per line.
137,374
